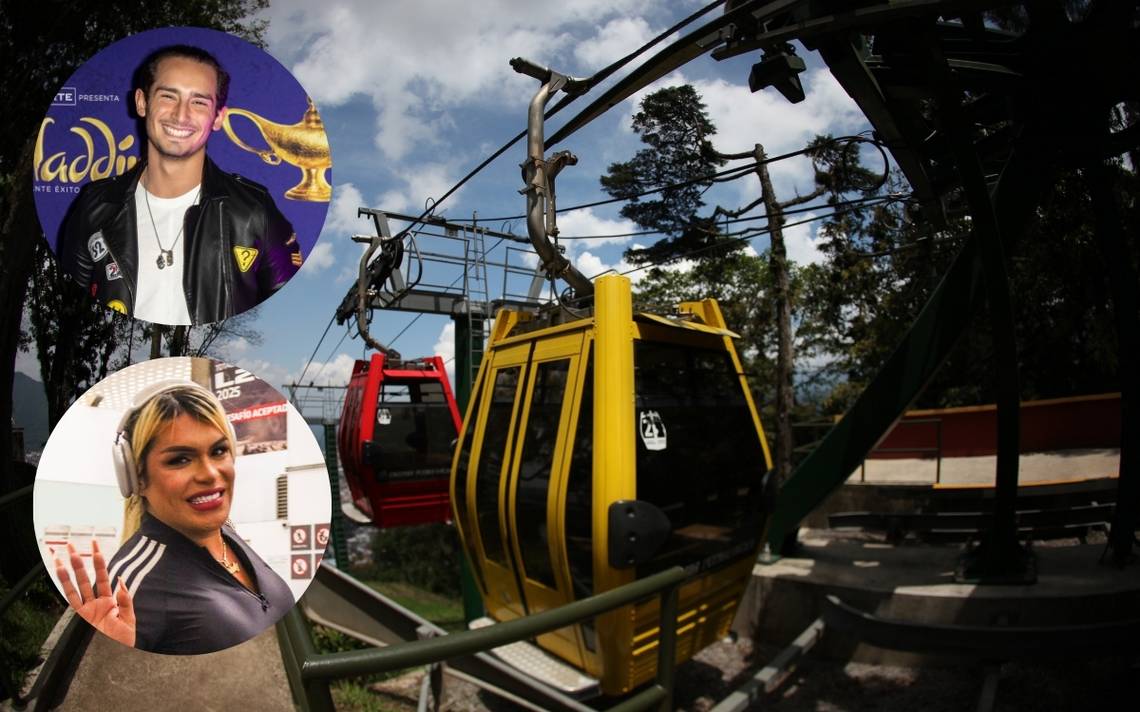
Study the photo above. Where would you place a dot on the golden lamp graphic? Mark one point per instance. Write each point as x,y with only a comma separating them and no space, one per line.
303,144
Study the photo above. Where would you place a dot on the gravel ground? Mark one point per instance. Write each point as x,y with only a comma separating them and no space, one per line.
819,685
824,685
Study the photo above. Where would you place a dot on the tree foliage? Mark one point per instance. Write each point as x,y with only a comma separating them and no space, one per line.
75,336
674,125
883,264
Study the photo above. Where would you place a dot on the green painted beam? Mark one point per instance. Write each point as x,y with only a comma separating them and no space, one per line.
336,524
922,351
924,348
468,356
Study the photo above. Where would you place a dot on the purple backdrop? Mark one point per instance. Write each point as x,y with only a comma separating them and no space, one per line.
90,131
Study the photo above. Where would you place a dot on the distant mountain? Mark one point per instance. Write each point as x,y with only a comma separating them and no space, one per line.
29,410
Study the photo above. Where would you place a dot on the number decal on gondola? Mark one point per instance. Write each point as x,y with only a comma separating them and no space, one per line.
652,429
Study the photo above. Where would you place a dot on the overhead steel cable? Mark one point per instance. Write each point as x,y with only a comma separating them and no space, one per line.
721,176
742,236
588,84
870,201
324,363
676,54
313,355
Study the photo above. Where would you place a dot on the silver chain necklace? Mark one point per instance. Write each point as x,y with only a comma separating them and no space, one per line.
166,257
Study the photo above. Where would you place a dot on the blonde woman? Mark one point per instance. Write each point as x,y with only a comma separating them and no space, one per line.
182,582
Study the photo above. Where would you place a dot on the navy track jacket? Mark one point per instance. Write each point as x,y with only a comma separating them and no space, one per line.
185,602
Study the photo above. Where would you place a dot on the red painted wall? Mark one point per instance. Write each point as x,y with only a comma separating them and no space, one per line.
1061,424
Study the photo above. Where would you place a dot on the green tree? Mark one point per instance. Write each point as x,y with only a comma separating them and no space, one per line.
883,263
75,336
838,171
674,125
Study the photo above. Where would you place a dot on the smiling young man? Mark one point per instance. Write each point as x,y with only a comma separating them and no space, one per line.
176,240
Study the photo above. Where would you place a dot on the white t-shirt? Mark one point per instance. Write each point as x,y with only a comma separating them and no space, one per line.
159,296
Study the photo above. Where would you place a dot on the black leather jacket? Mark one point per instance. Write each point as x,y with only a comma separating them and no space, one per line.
239,248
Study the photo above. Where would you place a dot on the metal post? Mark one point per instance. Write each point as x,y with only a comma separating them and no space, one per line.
938,455
317,697
1126,307
1000,558
667,646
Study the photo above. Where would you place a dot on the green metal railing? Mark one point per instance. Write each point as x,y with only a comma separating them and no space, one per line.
310,672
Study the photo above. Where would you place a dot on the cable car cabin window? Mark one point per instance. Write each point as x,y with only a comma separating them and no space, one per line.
699,458
580,493
535,463
490,469
413,434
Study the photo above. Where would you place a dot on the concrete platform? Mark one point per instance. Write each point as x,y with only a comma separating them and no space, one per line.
980,470
915,583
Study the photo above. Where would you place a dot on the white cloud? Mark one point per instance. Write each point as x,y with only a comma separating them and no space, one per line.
413,69
348,273
613,41
428,180
584,223
335,372
744,119
238,346
272,373
341,220
323,373
445,347
320,259
801,241
593,266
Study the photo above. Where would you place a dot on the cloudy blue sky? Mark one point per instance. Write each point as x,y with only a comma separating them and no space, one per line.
415,94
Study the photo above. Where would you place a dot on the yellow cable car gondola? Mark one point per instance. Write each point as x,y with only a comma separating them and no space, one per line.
603,449
601,446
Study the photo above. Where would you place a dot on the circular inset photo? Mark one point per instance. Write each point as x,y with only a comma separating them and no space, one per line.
182,506
181,175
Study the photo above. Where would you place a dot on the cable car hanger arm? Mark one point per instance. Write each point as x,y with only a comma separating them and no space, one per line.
539,174
391,254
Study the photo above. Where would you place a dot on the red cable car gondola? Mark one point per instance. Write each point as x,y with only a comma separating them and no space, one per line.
395,439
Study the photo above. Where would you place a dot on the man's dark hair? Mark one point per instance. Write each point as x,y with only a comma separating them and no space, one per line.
144,75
